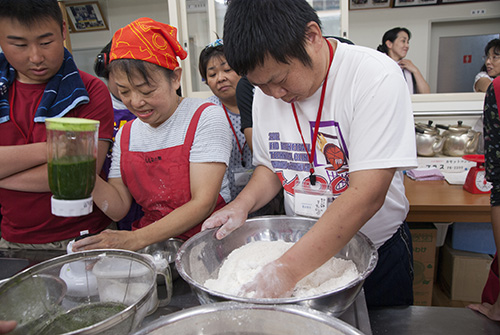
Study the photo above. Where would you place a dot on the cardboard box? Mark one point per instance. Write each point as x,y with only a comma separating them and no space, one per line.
424,250
463,274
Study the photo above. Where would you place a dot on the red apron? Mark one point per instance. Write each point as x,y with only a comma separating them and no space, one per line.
159,180
492,286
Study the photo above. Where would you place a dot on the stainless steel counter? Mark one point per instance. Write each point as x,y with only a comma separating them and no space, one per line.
430,320
13,261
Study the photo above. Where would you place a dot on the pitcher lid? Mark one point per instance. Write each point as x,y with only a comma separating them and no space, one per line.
71,124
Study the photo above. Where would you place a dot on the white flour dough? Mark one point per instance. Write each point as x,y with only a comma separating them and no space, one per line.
242,264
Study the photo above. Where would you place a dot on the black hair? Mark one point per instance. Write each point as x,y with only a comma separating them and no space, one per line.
495,44
205,55
143,68
133,66
29,12
256,29
391,35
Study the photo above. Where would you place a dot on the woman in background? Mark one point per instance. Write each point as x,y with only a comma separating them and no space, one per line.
490,299
222,80
395,44
490,68
226,85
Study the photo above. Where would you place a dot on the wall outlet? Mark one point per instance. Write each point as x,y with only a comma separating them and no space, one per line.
478,11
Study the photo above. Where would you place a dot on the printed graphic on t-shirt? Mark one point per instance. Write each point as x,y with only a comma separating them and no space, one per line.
290,160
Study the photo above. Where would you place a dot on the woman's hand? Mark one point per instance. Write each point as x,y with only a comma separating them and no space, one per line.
273,281
408,65
228,218
108,239
421,84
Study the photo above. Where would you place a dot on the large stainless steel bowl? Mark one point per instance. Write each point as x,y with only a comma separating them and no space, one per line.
247,319
201,257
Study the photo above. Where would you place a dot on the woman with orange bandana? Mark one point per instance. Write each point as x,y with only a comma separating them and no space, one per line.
172,158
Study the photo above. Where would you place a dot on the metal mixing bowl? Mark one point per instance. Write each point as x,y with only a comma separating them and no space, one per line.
247,319
38,297
166,250
201,257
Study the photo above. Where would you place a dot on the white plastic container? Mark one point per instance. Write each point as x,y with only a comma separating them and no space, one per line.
442,230
125,281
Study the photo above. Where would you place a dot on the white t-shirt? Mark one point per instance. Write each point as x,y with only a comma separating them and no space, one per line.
212,141
409,81
482,74
367,118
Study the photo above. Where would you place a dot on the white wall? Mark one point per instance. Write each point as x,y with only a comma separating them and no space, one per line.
366,27
119,13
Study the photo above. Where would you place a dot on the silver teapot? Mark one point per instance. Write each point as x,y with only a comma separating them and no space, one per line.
459,140
429,141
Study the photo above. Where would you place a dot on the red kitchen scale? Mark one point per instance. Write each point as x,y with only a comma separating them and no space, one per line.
476,180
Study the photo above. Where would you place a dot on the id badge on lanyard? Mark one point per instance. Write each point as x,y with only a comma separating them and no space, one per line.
242,176
311,203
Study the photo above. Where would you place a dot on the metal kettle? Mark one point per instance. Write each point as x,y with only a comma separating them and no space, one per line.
429,141
459,140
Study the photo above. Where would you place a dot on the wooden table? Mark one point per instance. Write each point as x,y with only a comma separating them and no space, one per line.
438,201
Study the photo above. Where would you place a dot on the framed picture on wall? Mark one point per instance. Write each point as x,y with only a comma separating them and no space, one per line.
85,16
455,1
369,4
406,3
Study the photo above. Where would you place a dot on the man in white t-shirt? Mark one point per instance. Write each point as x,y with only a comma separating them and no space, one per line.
331,121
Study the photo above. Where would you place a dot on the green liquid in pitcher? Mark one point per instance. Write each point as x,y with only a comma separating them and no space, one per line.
72,177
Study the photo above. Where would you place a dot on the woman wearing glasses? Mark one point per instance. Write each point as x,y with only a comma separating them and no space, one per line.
491,67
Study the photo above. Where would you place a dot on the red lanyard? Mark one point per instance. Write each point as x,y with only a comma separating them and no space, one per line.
312,177
240,148
32,116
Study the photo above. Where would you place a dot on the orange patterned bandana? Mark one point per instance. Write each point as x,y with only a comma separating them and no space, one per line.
148,40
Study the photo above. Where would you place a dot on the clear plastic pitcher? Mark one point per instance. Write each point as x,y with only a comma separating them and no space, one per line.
71,157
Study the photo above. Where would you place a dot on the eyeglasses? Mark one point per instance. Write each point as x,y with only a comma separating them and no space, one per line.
493,58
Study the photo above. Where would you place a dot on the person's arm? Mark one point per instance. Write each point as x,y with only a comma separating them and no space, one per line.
205,183
421,84
112,197
244,99
341,221
482,84
18,158
248,137
36,179
262,187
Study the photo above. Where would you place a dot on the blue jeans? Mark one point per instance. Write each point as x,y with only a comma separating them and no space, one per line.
391,282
